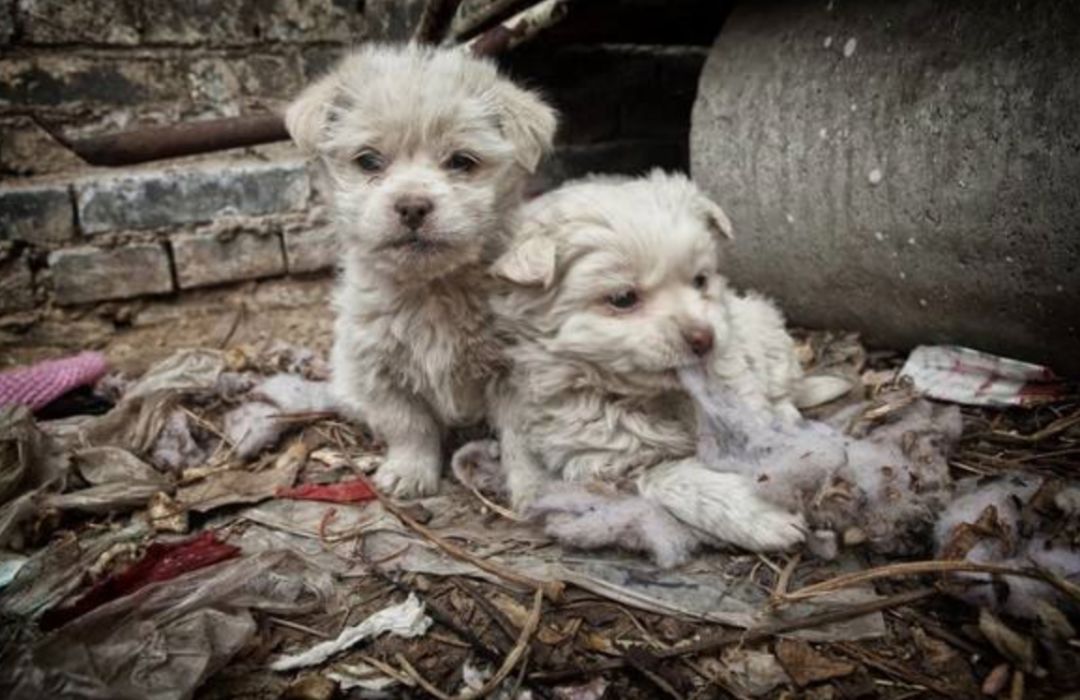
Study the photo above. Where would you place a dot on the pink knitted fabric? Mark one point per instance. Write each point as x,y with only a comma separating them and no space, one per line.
37,385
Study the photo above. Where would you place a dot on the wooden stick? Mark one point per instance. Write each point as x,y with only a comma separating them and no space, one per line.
755,634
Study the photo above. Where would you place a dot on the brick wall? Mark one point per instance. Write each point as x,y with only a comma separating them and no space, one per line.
73,235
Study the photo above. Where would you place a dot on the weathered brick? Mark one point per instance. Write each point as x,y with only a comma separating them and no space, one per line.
16,285
169,197
40,215
311,251
206,258
88,274
7,23
26,149
67,22
241,22
59,80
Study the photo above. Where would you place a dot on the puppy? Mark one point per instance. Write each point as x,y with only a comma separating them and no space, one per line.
612,288
425,152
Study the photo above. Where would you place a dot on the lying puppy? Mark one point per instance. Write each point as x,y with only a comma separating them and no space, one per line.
425,152
614,288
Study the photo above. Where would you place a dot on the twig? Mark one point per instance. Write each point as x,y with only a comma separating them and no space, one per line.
504,625
920,567
519,28
749,636
507,666
299,628
896,670
435,21
552,589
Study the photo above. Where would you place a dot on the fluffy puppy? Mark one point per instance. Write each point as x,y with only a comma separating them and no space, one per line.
425,152
613,287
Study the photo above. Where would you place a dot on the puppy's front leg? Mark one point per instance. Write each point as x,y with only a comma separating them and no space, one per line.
413,442
525,476
723,505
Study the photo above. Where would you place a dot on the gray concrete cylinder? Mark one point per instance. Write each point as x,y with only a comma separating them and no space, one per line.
910,170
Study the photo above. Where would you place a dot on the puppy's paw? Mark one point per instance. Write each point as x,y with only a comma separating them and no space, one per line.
409,475
723,506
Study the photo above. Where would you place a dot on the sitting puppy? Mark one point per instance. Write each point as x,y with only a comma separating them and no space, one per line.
613,289
425,153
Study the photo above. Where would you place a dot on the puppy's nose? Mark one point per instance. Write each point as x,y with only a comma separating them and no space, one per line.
700,340
413,210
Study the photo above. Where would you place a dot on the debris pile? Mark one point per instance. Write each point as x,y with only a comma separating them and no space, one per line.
214,531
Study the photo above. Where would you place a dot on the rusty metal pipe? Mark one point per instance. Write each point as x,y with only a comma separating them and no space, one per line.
156,143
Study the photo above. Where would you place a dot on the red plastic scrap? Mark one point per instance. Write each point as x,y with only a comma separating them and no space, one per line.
161,562
342,492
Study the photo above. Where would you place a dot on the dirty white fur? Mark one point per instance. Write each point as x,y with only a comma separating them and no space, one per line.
256,425
594,392
1015,545
888,482
398,125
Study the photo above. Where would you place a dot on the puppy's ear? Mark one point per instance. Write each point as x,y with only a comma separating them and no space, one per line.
307,116
527,121
531,263
717,220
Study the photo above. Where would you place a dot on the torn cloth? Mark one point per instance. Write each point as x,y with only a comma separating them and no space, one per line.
40,384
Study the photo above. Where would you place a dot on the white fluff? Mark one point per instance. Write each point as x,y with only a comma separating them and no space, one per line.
1003,537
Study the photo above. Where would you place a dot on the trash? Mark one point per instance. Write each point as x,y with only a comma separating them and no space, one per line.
406,619
239,485
176,448
162,641
30,464
161,562
38,385
963,375
362,676
805,665
166,515
593,690
342,492
758,672
9,567
118,481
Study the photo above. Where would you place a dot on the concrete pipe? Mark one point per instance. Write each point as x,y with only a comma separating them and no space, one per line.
910,170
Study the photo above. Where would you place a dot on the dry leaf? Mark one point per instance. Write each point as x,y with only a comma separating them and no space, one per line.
806,665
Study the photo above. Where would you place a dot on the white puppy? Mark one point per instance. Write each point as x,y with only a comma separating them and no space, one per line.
425,153
614,288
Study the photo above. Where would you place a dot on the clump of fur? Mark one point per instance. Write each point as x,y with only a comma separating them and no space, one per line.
1019,521
884,487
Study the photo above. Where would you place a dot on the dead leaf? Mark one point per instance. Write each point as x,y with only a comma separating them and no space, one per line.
806,665
1015,647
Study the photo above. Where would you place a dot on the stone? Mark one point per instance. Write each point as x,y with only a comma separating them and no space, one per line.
63,80
170,197
67,22
245,22
311,251
16,285
967,110
213,257
26,149
39,214
85,274
7,23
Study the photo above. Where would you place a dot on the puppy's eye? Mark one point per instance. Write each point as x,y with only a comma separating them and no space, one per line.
701,281
624,301
369,162
461,162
